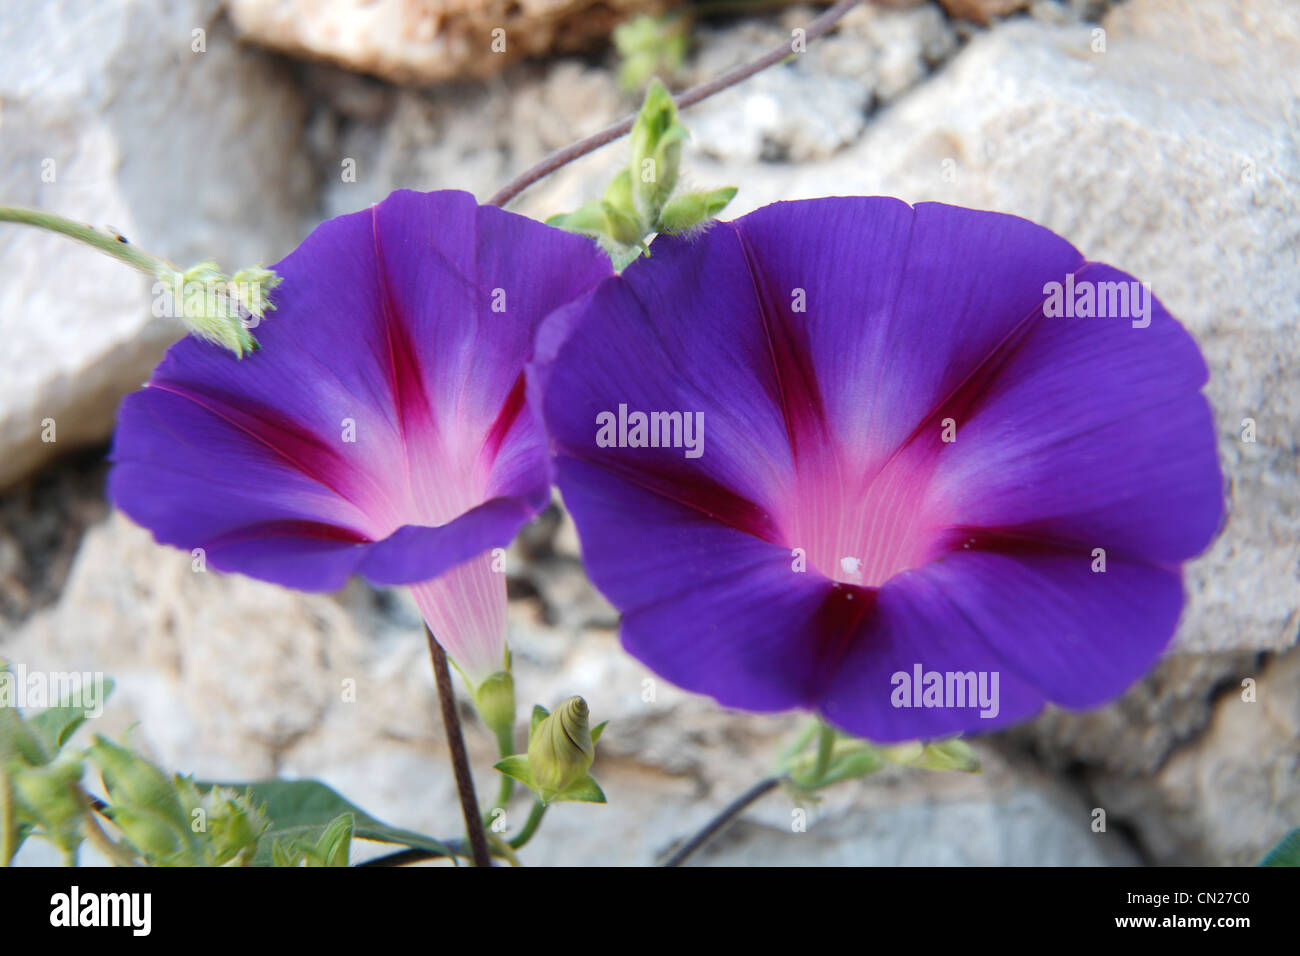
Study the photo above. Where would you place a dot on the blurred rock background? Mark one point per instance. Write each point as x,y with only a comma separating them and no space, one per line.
1158,135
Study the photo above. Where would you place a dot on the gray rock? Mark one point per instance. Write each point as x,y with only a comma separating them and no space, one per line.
1230,796
110,116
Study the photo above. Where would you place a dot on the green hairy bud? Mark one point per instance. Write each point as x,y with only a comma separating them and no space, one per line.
657,139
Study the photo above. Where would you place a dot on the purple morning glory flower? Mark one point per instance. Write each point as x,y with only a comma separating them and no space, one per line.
917,469
383,428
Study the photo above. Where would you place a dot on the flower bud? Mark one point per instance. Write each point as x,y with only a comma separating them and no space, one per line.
151,835
561,750
47,796
235,823
221,309
134,782
657,139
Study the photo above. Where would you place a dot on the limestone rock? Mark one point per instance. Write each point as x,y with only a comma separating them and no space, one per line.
1227,798
118,113
983,11
428,41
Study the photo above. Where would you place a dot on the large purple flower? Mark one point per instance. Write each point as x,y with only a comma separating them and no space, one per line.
899,468
383,428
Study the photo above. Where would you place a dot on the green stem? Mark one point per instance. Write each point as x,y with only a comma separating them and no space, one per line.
530,826
112,245
7,827
506,789
825,749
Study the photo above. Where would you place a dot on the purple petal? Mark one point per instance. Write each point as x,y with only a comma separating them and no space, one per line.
383,427
832,346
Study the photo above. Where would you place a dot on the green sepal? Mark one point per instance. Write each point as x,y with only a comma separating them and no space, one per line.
619,193
540,713
598,730
516,768
951,754
335,845
691,211
583,790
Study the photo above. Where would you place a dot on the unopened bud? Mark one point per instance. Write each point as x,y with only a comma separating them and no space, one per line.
134,782
561,751
47,794
657,139
221,309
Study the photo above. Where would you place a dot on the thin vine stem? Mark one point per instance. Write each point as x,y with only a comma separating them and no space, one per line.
108,243
724,819
474,832
696,94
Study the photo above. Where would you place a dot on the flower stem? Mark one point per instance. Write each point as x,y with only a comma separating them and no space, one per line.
825,750
723,819
530,826
7,813
474,831
505,747
112,245
695,94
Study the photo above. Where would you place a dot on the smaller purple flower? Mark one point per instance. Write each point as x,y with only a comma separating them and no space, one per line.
917,469
382,429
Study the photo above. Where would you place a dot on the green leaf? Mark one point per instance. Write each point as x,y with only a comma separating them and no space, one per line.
598,730
1286,853
301,810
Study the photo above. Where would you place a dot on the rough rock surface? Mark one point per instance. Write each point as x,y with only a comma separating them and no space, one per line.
109,114
982,11
1231,795
428,41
